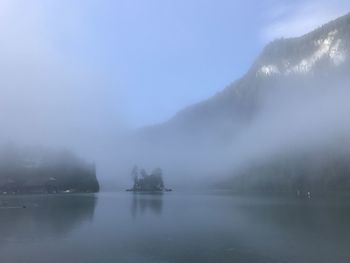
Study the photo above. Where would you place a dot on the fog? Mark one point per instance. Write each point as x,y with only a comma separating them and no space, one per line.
304,119
167,131
291,118
49,98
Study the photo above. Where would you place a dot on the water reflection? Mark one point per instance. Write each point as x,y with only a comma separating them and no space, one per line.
207,228
192,228
141,203
37,217
308,226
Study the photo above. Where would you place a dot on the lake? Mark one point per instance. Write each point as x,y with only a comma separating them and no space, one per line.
173,227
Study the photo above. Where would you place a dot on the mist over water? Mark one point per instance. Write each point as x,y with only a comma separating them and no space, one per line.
51,99
289,120
119,141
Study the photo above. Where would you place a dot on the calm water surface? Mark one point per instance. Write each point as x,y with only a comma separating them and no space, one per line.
173,227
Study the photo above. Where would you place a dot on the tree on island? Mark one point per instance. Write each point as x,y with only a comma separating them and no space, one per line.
135,174
147,182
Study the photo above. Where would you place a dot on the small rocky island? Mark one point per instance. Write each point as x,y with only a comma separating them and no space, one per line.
144,182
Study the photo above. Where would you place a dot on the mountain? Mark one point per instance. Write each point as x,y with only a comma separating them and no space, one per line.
299,83
321,52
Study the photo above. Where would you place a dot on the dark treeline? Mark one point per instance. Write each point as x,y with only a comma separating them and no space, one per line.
320,172
39,170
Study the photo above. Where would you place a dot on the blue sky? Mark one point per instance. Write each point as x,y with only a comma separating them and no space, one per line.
151,58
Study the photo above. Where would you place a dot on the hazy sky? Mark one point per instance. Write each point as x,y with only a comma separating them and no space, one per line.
136,62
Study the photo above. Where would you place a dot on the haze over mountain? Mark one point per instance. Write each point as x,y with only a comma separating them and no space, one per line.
294,99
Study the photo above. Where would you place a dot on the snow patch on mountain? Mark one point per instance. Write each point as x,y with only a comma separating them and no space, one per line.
330,47
269,70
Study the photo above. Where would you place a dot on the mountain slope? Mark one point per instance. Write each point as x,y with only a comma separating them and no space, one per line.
292,94
319,53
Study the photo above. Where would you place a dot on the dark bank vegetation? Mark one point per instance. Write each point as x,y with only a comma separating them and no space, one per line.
322,172
30,170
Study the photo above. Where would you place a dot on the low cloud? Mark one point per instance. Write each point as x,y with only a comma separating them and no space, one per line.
48,96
